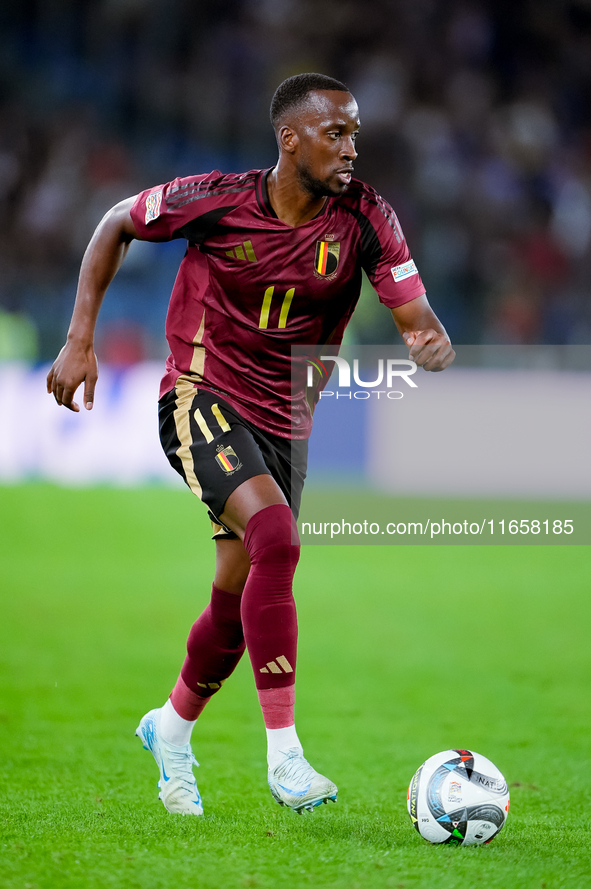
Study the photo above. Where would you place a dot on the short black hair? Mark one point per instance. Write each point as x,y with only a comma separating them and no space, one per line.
293,91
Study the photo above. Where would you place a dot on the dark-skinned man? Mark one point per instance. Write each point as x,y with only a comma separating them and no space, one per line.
274,259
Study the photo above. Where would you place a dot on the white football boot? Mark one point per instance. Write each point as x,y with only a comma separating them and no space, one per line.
294,783
178,788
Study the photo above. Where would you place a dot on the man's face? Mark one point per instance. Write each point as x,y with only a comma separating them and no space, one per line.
326,129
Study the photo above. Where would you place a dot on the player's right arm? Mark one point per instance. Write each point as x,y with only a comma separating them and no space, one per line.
76,363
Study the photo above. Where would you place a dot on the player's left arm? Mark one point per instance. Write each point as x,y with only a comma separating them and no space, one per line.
424,334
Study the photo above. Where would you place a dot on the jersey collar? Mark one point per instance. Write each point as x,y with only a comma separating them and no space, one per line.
264,203
262,194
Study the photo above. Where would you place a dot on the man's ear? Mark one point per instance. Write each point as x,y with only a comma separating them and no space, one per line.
288,139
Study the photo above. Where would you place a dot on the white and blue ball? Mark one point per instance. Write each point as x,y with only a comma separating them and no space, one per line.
458,797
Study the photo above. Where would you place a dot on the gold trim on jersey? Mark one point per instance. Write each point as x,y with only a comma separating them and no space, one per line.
185,392
198,360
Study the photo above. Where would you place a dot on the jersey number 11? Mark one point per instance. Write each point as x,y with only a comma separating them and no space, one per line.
266,307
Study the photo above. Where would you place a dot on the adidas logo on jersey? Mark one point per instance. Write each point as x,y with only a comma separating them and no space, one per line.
279,665
242,251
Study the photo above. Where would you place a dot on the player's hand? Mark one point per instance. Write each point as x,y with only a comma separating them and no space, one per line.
74,365
429,349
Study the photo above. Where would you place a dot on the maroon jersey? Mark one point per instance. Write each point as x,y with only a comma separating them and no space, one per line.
250,286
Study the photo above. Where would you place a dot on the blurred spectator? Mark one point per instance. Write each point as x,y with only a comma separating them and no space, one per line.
122,344
18,337
476,125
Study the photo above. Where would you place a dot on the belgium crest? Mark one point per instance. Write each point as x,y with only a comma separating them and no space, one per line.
327,258
228,460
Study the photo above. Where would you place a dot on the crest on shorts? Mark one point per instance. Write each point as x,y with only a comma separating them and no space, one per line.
228,460
153,202
327,258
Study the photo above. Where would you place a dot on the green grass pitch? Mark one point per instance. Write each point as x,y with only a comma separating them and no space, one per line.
404,651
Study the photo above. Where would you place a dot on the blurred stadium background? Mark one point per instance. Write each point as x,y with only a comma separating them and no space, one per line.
476,126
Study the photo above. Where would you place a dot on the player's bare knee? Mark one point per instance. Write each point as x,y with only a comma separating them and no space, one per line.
232,566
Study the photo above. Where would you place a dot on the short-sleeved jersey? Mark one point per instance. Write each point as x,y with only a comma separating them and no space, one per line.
250,286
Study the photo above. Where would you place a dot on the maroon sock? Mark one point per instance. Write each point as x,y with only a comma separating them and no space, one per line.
214,647
185,702
278,706
268,608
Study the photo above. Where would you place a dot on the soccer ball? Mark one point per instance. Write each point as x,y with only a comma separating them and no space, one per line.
458,797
